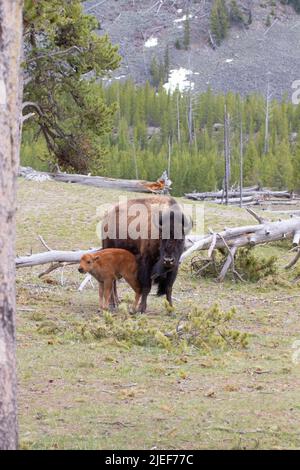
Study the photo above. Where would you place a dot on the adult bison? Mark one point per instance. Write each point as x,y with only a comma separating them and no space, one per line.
153,229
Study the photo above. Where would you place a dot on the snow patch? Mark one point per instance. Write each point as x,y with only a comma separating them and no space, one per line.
2,352
151,42
178,79
228,61
179,10
2,92
179,20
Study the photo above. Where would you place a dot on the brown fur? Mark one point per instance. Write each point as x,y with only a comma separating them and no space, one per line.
109,265
152,252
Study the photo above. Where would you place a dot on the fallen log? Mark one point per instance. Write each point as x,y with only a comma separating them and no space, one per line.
52,256
251,235
249,195
162,185
259,194
279,203
229,239
245,199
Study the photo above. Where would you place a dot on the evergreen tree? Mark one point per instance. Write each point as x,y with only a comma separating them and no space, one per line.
235,14
219,20
158,70
61,47
167,63
283,171
199,166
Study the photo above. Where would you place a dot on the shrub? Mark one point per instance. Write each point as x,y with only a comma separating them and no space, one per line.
208,328
203,329
250,266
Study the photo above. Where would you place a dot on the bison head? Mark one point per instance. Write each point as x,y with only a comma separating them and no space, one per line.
173,225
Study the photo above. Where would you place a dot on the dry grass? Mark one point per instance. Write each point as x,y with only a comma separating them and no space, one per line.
80,391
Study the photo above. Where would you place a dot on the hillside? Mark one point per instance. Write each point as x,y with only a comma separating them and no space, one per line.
80,389
242,63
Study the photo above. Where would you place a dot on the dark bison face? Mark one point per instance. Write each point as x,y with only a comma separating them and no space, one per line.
170,252
173,225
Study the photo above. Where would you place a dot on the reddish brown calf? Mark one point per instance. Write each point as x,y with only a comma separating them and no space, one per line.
107,266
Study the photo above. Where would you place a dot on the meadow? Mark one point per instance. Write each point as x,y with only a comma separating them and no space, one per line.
117,382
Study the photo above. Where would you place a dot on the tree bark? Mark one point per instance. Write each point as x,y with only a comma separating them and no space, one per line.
10,100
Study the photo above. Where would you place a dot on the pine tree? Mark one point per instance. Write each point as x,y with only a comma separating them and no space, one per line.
219,20
235,14
72,115
283,171
296,166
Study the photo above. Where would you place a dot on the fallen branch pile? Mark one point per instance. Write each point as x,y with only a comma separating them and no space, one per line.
228,240
250,196
246,236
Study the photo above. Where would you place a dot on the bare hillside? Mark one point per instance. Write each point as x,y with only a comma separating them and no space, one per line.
242,63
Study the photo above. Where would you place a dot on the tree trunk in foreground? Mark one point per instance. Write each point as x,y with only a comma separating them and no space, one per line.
10,86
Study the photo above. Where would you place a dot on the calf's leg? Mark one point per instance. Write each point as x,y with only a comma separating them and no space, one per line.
108,288
134,283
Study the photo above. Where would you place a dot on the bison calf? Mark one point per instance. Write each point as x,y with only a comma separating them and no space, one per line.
107,266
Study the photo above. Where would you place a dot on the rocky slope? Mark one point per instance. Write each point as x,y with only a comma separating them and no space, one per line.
243,63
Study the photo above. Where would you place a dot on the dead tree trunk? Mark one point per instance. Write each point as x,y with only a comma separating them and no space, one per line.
226,154
190,118
140,186
10,112
267,118
241,163
178,119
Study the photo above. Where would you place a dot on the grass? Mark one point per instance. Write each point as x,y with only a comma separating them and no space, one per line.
79,391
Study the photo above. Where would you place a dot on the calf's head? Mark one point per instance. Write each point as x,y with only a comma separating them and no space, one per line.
87,262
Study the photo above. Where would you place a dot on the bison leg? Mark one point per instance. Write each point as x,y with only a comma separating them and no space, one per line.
143,305
100,296
144,277
171,276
